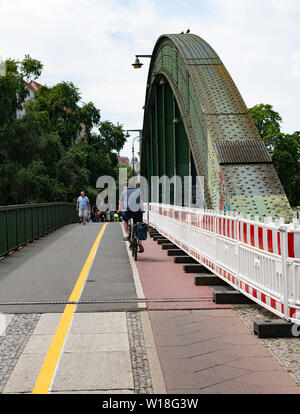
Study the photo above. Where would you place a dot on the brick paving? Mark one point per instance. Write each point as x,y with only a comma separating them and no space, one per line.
285,350
162,278
214,353
206,348
13,343
139,360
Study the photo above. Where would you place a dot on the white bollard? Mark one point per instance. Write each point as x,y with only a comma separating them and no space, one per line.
2,324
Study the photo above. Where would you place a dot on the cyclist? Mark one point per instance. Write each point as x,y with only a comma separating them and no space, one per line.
130,207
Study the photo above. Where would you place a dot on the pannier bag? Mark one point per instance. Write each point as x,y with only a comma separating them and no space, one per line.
142,231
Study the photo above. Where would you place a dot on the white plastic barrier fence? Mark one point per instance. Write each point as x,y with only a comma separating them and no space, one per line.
261,260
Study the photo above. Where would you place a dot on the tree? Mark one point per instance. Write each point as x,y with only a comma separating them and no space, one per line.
30,67
13,90
112,136
286,158
266,120
61,107
285,149
58,148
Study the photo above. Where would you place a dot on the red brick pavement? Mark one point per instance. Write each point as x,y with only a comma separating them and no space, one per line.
162,278
213,352
204,348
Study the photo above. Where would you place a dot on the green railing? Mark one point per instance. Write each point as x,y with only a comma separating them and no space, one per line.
23,224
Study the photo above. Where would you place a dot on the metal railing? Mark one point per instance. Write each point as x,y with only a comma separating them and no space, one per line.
22,224
260,259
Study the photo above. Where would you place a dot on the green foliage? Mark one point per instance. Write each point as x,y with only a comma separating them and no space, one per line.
286,158
267,120
112,136
58,148
285,149
30,67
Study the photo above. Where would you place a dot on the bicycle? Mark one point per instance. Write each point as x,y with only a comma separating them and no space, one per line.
133,238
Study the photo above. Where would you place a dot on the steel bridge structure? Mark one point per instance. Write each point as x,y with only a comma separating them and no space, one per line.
197,124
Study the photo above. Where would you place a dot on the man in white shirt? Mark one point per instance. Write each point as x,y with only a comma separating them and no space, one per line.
83,207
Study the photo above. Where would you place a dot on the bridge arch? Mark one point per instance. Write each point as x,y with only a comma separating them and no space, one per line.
196,123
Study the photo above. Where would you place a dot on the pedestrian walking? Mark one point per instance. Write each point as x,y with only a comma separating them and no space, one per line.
83,207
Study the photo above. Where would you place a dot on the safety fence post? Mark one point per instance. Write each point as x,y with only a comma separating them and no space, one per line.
215,234
284,257
239,248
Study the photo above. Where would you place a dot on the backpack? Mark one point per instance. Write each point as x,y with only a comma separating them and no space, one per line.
142,229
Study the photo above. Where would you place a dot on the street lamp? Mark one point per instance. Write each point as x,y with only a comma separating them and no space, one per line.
133,157
137,64
138,137
133,130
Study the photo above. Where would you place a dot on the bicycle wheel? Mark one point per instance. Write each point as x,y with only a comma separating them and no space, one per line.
130,235
134,248
136,251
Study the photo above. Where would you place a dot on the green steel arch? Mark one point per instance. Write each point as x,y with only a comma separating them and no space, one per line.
213,134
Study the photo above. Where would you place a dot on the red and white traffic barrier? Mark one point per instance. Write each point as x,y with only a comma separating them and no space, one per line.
262,260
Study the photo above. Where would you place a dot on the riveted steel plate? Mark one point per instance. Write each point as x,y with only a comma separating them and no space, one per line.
216,90
242,152
203,61
192,46
231,127
251,179
267,205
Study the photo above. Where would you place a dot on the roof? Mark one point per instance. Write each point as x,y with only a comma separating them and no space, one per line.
33,86
124,160
36,85
29,86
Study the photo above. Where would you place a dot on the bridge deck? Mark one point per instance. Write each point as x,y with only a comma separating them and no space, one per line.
121,347
47,271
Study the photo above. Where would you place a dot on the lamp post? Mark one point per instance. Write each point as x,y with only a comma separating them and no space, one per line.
133,157
137,64
138,137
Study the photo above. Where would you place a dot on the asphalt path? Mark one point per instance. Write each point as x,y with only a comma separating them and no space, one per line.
48,269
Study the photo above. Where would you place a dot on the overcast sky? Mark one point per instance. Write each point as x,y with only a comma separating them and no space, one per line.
93,43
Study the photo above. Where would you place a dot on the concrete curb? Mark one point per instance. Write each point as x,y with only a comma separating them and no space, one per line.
158,382
136,276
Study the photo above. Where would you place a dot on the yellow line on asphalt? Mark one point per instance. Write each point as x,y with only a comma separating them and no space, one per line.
48,369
